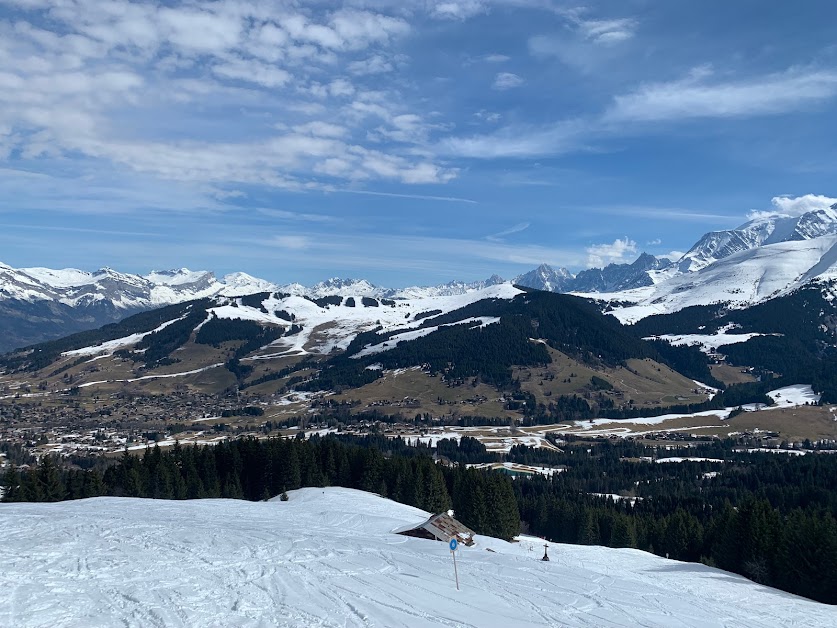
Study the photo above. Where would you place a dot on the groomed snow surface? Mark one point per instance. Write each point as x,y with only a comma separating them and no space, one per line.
328,557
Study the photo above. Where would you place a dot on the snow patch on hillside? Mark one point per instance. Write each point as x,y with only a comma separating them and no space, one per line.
108,347
708,343
793,396
393,341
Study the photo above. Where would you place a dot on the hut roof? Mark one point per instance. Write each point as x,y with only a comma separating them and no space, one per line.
442,527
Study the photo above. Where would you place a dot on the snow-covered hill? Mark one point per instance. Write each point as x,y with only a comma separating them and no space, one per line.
329,557
323,327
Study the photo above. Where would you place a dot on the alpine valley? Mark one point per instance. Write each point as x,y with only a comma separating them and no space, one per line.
179,385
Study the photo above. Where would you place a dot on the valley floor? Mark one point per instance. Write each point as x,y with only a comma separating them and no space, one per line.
328,557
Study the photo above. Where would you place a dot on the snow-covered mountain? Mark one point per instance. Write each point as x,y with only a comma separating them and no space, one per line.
767,256
39,304
320,328
544,277
363,288
74,287
614,277
330,557
771,255
767,229
741,279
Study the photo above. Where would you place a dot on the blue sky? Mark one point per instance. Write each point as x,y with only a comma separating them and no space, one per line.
404,142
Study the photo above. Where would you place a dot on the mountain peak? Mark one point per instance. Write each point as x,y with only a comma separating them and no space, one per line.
544,277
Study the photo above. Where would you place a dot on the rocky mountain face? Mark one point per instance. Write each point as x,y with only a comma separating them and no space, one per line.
611,278
363,288
616,277
544,277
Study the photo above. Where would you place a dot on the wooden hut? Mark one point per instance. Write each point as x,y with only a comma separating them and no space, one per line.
442,527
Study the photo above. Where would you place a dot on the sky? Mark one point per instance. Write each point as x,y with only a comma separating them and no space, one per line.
404,142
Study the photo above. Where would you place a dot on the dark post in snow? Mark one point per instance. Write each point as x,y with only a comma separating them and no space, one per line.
453,545
545,556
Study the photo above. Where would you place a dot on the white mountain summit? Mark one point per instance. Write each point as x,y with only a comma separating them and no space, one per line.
74,287
763,230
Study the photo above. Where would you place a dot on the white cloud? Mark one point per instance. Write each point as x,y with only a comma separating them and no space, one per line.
608,31
506,80
294,216
458,9
496,58
697,97
518,141
600,255
70,78
358,29
585,44
319,128
488,116
498,237
292,242
252,71
654,242
794,205
376,64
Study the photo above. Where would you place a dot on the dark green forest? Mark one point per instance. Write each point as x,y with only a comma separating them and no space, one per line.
768,517
799,342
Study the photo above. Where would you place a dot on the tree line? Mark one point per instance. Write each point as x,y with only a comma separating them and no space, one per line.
255,469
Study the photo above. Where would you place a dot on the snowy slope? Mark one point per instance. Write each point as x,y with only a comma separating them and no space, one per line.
762,230
330,327
741,279
325,329
328,557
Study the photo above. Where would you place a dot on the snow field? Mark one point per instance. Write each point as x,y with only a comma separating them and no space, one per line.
328,557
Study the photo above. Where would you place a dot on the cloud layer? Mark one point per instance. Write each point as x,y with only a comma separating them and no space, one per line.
75,72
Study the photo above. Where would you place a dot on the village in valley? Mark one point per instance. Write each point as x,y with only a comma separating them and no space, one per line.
94,423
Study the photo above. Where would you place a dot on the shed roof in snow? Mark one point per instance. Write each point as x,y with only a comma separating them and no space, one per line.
441,527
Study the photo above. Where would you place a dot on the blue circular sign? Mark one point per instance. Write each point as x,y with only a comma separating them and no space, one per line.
453,544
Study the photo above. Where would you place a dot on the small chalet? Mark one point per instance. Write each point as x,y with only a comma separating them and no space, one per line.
441,527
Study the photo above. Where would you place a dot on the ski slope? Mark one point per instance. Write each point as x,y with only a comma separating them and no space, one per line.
328,557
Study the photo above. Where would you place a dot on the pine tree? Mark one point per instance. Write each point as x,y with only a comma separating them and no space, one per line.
52,487
502,513
589,530
623,533
11,482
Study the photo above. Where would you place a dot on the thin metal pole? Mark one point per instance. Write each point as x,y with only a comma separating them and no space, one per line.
455,572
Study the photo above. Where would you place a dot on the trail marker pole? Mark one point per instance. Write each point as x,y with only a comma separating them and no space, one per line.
453,545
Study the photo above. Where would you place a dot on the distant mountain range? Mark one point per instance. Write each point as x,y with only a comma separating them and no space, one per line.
764,258
39,304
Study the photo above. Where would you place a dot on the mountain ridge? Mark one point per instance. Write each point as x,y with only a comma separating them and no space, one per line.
737,266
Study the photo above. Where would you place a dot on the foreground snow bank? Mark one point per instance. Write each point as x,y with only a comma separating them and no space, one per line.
328,557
